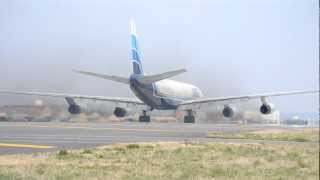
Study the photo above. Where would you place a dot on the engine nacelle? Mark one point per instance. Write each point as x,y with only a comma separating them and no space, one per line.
228,112
266,108
74,109
120,112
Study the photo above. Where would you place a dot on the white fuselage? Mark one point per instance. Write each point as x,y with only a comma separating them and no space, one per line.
164,94
178,90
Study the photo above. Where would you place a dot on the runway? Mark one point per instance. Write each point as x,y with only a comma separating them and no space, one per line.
31,137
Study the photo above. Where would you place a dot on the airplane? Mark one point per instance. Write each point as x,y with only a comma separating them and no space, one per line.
158,92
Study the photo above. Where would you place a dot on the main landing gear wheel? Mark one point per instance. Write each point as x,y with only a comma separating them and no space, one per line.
189,118
144,117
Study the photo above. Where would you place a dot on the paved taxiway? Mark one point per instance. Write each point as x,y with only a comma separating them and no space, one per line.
28,137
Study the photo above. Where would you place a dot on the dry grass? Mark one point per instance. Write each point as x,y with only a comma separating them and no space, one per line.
297,135
169,161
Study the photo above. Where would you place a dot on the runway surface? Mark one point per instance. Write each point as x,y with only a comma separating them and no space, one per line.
30,137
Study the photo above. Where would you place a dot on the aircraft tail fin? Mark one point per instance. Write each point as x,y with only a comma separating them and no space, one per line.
135,51
148,79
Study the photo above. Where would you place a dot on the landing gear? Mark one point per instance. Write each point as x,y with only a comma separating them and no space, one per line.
144,117
189,118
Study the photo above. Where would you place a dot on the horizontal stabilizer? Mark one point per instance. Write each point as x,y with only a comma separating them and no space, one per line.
148,79
104,76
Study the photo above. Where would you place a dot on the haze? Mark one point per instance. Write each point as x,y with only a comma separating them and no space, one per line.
229,47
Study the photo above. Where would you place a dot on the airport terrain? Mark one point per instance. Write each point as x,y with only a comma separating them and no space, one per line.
157,151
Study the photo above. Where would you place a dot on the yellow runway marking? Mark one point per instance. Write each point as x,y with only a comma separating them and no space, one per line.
33,146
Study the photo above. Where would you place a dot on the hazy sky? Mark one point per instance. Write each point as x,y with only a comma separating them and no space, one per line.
229,47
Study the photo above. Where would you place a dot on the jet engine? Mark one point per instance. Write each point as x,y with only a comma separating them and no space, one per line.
228,112
266,108
74,109
120,112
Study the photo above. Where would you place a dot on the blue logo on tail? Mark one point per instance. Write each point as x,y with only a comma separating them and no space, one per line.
136,54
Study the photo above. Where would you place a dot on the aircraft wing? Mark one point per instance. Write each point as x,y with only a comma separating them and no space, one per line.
100,98
228,100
